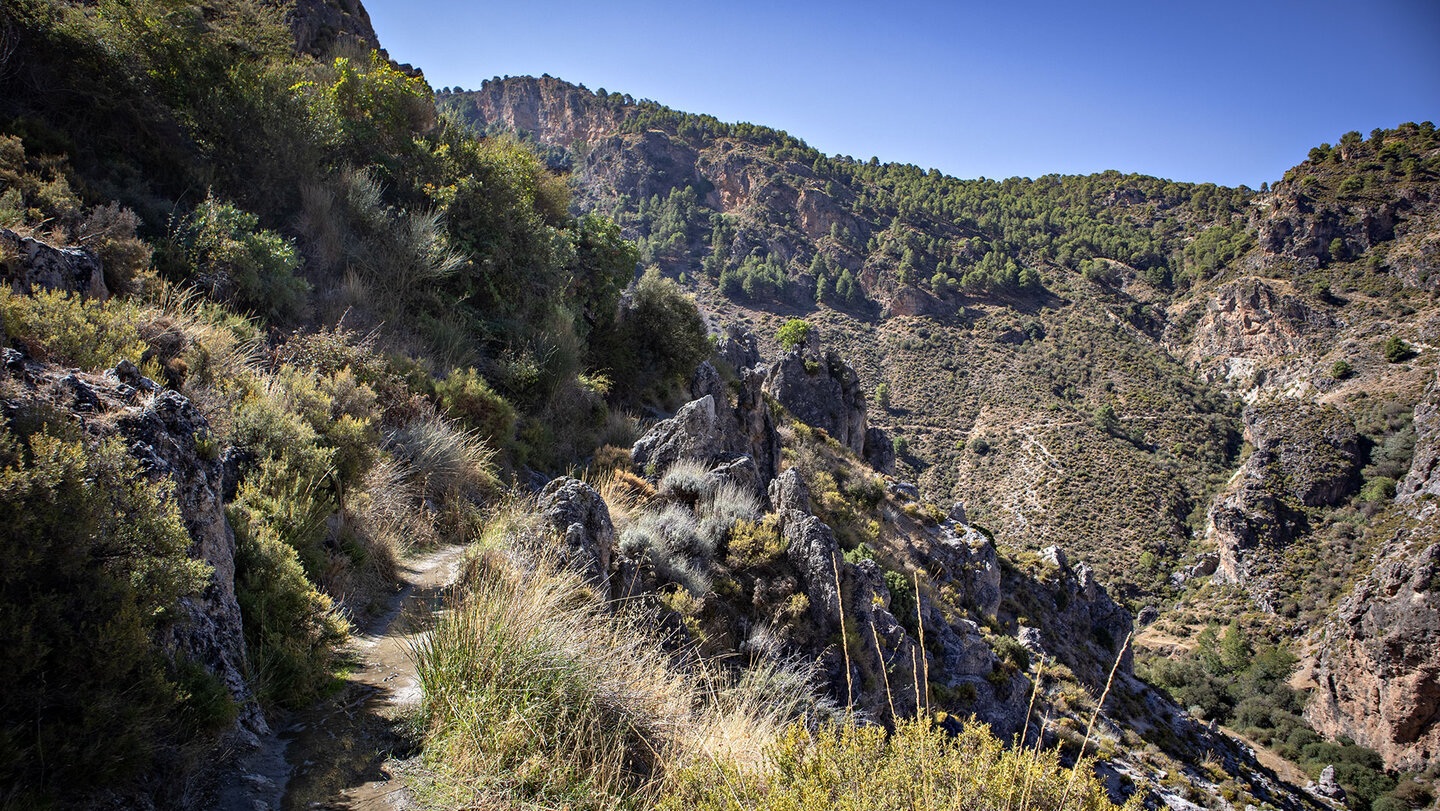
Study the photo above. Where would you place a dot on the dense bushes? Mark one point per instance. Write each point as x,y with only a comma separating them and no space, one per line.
920,765
224,252
655,344
95,560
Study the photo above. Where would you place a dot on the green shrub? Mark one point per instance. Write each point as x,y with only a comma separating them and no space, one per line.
72,331
1397,350
1381,488
227,254
794,333
848,768
1341,370
291,629
656,343
755,543
95,560
466,396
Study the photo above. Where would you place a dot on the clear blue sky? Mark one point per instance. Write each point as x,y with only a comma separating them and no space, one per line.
1200,90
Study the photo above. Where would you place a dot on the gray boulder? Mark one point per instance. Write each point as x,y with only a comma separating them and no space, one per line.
879,450
693,433
34,265
740,350
822,392
576,512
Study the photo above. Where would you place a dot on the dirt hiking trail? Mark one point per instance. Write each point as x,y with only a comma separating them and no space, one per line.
333,755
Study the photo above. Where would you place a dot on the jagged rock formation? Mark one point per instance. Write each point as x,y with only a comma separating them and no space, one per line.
855,596
28,264
1423,480
164,432
321,26
739,349
822,391
709,428
1296,225
529,105
693,433
1378,670
1306,455
879,449
577,514
1250,320
1073,619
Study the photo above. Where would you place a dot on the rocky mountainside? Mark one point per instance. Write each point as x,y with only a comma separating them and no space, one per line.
981,306
1165,380
918,470
1377,672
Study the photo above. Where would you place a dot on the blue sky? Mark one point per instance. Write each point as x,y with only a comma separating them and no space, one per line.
1228,92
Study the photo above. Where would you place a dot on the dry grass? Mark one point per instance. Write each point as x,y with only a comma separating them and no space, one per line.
538,694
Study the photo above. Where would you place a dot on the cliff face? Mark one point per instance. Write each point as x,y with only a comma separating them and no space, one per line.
548,109
322,26
1306,455
1378,671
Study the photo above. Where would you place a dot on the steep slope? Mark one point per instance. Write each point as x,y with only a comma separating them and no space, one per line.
1378,667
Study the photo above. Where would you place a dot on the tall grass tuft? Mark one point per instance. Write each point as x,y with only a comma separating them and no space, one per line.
449,460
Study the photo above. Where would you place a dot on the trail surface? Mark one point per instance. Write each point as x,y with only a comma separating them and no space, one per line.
333,755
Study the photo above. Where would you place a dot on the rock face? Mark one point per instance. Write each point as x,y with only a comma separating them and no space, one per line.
740,350
855,596
577,514
693,433
712,431
1378,671
321,26
1306,455
544,107
1080,624
1424,476
1250,319
27,264
822,391
162,433
1295,226
879,450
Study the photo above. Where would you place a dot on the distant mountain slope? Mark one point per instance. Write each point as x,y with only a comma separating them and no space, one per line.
1067,356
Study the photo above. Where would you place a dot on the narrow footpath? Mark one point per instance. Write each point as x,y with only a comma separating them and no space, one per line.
333,755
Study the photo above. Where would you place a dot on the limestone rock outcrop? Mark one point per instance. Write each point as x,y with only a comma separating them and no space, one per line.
711,430
822,391
1378,669
879,449
577,514
163,430
1424,476
1306,455
321,26
693,433
1079,623
28,264
1249,320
